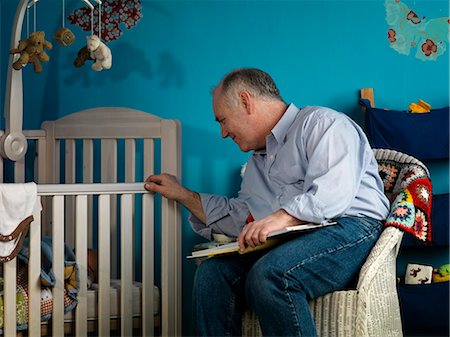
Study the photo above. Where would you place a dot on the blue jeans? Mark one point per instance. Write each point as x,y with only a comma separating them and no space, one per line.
278,283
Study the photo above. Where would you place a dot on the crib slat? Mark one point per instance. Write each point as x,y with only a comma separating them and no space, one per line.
70,201
41,164
104,273
58,265
9,271
19,170
109,175
81,257
149,154
88,177
130,160
130,177
147,264
126,299
57,158
34,275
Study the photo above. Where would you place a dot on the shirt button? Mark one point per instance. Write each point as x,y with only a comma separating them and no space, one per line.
272,157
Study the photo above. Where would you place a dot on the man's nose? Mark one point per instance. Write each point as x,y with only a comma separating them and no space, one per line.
224,133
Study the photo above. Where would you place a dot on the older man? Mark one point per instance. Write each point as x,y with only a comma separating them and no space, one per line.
307,165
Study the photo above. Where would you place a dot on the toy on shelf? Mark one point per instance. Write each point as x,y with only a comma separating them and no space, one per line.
31,50
418,274
441,274
420,107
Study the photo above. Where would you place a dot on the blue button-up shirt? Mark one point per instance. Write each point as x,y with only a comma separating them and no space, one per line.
317,165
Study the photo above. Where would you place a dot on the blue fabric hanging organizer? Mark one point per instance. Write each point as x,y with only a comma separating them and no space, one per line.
422,135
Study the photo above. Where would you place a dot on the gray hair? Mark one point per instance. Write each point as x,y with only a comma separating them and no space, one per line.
255,81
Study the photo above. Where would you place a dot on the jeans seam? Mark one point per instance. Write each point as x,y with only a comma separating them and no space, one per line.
230,316
291,307
229,319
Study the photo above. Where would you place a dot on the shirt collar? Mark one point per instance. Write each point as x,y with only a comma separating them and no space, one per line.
281,128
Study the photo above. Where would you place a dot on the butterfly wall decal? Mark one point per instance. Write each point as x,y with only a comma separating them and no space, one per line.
407,31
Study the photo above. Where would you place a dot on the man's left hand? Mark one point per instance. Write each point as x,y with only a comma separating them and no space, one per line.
255,233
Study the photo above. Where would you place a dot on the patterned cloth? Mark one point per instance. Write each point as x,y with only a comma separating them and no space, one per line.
71,283
409,189
114,12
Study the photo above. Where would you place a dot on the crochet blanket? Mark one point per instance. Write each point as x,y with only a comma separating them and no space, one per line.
409,188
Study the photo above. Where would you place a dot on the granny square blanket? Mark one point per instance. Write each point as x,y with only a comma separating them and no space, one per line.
409,189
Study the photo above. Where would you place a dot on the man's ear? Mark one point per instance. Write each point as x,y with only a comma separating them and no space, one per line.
246,101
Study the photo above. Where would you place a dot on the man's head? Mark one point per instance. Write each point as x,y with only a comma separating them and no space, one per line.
247,104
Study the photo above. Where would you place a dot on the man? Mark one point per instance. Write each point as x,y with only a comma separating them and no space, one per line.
307,165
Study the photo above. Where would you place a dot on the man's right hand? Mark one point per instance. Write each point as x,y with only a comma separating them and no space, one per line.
168,186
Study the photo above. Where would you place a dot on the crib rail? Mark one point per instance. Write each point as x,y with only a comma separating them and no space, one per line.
126,193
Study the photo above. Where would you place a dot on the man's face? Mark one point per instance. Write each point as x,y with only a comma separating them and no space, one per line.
234,122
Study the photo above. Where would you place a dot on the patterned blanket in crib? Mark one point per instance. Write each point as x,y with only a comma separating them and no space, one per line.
71,284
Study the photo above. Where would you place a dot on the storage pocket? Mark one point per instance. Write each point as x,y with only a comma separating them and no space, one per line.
422,135
425,309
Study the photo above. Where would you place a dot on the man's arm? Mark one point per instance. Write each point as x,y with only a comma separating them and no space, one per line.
168,186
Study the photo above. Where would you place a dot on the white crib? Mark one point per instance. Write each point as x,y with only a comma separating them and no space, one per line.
98,152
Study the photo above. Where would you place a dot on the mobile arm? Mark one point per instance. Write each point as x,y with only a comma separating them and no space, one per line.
13,144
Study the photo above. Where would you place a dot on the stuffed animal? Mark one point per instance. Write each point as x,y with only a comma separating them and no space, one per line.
420,107
32,51
64,37
83,55
442,274
99,52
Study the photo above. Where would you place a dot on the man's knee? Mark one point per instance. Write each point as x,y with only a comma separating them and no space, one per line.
262,281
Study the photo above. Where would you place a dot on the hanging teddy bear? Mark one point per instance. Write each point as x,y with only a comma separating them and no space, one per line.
32,51
99,52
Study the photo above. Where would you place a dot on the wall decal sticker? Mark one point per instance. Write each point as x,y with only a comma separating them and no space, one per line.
408,30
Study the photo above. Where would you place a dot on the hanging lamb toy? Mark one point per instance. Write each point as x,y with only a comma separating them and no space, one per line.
98,51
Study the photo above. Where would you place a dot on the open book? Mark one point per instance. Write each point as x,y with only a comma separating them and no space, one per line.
273,238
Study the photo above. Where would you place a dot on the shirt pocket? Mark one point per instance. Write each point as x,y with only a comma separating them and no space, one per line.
285,173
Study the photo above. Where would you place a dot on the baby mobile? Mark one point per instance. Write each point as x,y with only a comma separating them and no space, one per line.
116,12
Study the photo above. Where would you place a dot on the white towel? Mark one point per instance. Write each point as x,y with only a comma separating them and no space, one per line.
17,204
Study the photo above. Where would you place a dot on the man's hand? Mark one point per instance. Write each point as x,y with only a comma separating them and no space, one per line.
255,233
168,186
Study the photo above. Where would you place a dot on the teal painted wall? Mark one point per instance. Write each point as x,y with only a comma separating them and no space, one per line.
319,53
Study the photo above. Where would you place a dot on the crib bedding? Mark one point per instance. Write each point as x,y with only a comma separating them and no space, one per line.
46,299
92,299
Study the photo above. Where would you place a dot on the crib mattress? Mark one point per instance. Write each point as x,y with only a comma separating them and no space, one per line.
92,301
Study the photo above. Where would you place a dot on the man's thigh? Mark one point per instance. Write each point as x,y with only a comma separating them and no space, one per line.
322,260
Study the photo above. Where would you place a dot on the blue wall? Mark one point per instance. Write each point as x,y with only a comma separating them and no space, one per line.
319,53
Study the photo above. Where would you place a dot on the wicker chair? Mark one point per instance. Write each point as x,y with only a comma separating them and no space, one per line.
372,308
